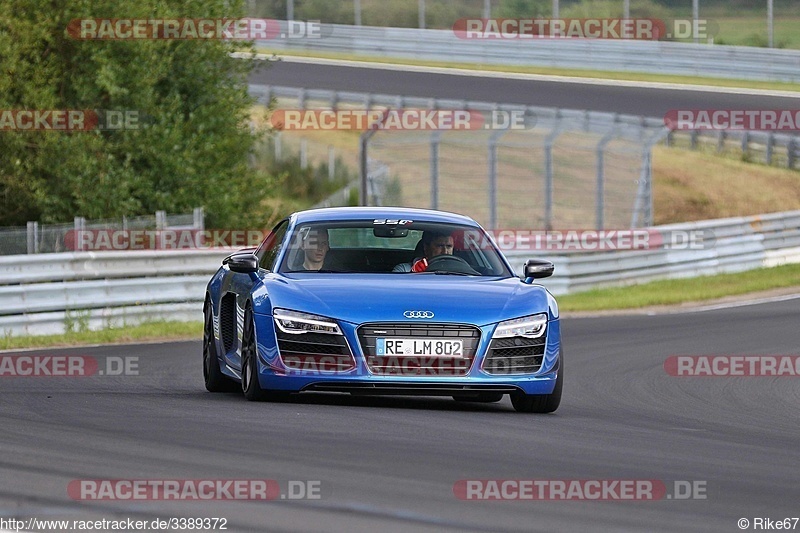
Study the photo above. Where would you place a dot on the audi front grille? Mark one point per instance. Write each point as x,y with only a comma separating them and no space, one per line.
419,365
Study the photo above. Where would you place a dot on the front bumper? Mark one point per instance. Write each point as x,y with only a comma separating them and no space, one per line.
274,375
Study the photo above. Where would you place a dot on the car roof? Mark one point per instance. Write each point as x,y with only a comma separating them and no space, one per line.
367,213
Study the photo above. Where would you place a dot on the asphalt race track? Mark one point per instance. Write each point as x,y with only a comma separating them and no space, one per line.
651,102
389,464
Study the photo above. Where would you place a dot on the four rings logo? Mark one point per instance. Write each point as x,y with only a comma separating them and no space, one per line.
418,314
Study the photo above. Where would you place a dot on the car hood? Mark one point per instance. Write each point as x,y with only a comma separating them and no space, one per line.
358,298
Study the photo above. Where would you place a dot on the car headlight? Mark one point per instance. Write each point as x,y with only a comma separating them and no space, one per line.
531,326
295,322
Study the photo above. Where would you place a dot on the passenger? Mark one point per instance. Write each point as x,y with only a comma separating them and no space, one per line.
315,245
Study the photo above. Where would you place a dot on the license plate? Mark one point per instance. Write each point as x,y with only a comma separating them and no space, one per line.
437,347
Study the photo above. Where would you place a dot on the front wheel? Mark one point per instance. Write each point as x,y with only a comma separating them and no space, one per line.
540,403
213,377
250,386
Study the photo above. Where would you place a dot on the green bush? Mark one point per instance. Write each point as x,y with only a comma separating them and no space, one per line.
191,150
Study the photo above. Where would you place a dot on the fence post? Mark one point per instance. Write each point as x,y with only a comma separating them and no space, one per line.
303,153
548,171
643,204
161,220
331,163
493,138
599,202
434,167
770,147
277,144
79,225
790,152
745,143
363,163
33,237
198,218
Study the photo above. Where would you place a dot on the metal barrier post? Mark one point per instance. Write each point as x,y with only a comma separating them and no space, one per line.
33,237
548,172
331,163
599,202
198,218
434,166
363,159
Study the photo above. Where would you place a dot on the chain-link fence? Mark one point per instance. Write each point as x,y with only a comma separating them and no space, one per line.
563,169
563,173
51,238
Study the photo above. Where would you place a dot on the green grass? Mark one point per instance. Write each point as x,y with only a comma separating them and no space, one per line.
665,292
672,292
144,332
751,30
550,71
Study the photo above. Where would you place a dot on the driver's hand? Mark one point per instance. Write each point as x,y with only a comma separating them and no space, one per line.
420,265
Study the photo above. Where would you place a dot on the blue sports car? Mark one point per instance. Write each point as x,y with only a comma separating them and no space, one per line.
374,300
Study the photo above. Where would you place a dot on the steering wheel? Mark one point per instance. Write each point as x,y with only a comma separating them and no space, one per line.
450,263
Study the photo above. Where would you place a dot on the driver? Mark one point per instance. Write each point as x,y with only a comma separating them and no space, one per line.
433,243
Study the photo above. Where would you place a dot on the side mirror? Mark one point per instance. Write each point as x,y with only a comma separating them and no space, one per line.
537,269
242,262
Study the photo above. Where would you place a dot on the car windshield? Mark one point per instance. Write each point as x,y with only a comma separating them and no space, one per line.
392,246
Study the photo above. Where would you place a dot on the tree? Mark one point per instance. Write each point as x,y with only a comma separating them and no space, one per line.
192,144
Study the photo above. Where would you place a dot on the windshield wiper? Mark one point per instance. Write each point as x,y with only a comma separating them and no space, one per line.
450,273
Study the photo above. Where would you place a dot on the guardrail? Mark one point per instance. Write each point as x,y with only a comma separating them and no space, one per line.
654,57
53,293
740,244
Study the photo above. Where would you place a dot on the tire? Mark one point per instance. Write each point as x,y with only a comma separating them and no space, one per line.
482,397
213,377
540,403
250,386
